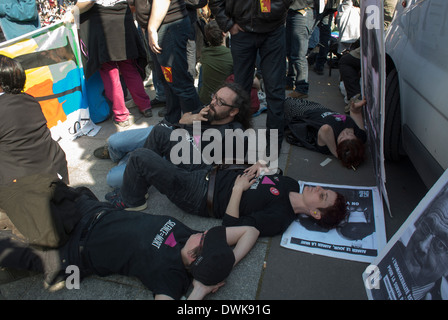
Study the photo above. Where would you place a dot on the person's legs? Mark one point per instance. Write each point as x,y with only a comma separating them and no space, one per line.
19,255
271,51
350,71
244,53
324,42
145,168
114,92
301,25
121,143
181,95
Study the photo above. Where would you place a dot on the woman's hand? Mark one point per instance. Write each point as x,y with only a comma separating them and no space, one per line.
244,181
257,168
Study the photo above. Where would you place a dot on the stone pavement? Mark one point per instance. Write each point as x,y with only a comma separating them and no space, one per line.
269,272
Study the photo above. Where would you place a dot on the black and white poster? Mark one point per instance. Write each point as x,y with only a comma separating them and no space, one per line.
359,238
414,264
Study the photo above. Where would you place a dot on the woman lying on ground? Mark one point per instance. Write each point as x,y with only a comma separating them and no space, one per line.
269,202
318,128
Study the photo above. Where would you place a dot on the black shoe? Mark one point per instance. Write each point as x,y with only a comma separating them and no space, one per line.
147,113
162,112
155,102
102,152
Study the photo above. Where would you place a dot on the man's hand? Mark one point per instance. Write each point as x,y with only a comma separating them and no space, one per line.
235,29
188,117
200,290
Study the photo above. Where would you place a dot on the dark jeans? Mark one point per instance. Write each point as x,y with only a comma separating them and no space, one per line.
171,68
324,41
271,48
298,32
159,140
350,71
145,168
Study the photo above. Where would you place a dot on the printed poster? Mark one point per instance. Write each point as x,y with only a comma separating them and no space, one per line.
414,264
359,238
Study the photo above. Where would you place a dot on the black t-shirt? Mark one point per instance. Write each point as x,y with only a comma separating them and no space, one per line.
266,205
141,245
337,122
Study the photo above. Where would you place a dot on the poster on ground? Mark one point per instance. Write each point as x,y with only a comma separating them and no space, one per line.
51,59
414,264
359,238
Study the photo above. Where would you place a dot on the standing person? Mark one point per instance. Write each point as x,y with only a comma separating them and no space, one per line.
299,25
114,47
162,252
216,62
168,26
18,17
26,145
258,27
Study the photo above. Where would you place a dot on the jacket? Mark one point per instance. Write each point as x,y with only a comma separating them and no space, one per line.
260,16
18,17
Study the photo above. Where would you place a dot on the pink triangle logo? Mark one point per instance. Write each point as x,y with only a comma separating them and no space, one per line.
171,241
266,180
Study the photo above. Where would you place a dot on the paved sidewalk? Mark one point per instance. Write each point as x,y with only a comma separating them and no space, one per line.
269,272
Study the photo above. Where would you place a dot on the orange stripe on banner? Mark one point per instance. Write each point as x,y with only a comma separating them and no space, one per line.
52,108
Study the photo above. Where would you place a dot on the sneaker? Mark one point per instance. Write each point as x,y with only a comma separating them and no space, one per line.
102,152
122,124
116,200
147,113
298,95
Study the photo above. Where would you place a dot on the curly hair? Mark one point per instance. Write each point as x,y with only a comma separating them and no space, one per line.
241,102
351,152
213,34
332,216
12,75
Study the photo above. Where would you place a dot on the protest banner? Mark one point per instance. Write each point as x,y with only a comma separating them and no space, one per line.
51,59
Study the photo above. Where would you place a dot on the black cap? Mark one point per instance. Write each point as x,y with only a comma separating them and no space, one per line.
216,260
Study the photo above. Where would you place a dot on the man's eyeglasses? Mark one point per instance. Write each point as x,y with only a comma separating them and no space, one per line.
220,102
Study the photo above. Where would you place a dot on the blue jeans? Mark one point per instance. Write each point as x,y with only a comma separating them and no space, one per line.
120,145
271,49
181,95
298,32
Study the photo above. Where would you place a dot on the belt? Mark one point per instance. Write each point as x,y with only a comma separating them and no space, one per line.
211,177
85,232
